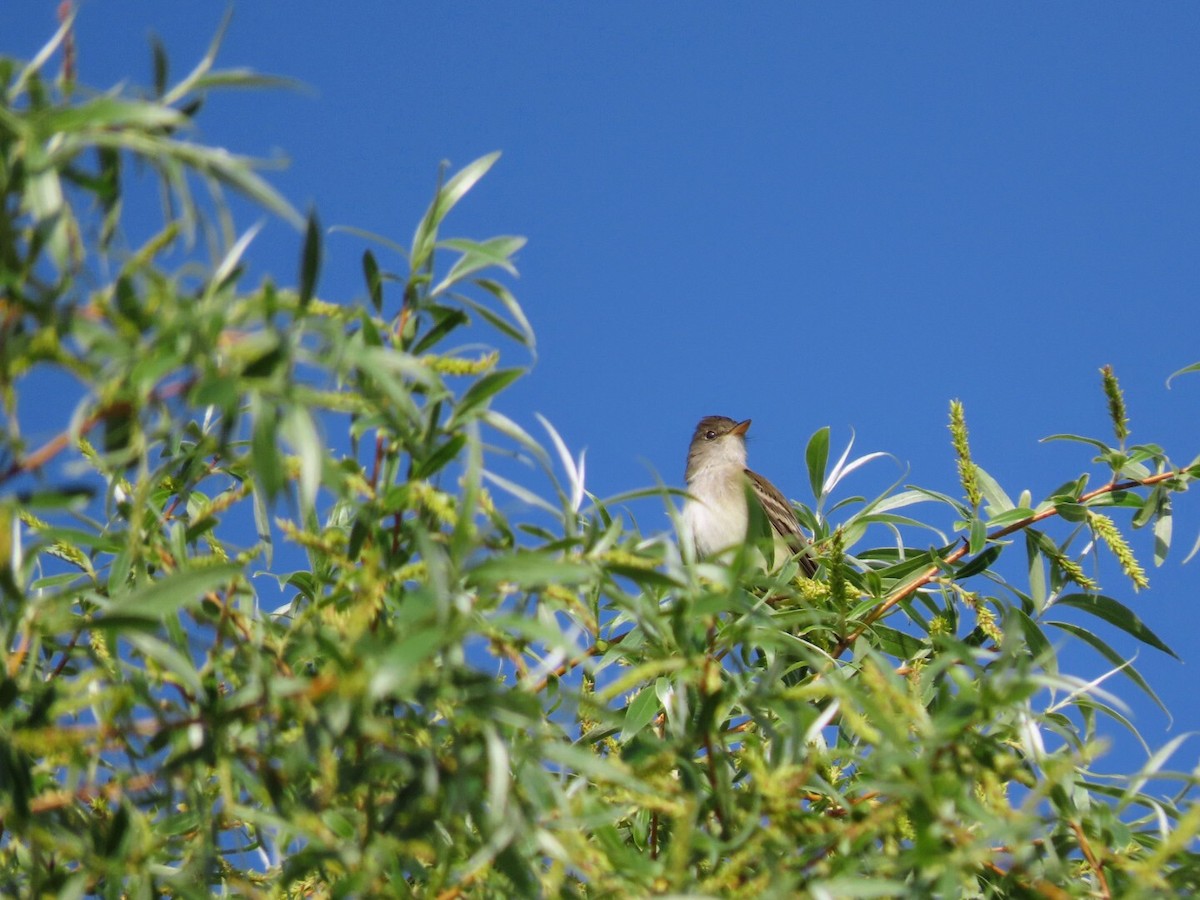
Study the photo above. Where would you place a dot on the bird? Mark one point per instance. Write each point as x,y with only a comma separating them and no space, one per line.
716,516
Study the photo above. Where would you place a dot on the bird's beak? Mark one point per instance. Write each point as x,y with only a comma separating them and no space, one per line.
740,427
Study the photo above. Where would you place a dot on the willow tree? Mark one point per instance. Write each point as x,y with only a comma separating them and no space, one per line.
275,624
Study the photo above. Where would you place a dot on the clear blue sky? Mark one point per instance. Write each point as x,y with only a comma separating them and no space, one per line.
808,214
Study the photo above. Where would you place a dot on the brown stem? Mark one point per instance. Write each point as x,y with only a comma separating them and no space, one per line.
566,667
57,444
1092,861
112,790
927,575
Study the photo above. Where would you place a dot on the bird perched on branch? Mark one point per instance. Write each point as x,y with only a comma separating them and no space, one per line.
717,516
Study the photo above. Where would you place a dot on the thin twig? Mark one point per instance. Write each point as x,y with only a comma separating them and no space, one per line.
1092,861
58,443
926,576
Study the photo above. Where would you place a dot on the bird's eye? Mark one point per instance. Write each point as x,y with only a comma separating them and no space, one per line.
709,435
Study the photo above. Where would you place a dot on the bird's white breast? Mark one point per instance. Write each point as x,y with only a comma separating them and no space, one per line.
717,518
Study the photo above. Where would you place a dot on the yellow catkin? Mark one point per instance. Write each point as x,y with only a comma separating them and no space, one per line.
1116,404
1106,530
962,450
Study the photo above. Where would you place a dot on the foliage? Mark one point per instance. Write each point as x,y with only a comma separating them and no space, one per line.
451,700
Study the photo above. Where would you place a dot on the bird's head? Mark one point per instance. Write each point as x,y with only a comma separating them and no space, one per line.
718,442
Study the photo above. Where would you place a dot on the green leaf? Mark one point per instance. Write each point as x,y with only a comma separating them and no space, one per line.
1186,370
578,760
816,457
896,643
492,253
639,714
527,569
998,501
978,537
1091,442
1111,656
1153,765
1035,639
1037,570
1009,517
264,455
1115,613
977,564
373,279
1162,530
447,196
170,658
510,304
435,461
853,888
1071,512
109,113
310,260
497,321
169,594
300,431
645,578
445,320
957,506
482,390
161,66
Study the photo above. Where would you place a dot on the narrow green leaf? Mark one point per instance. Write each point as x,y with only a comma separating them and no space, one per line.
978,535
476,256
639,714
262,523
1154,764
510,304
447,196
1111,656
310,260
169,594
161,66
1091,442
956,505
977,564
1004,519
443,454
264,455
445,320
853,888
1035,639
896,643
580,761
646,578
1116,613
1195,549
998,501
529,570
1037,571
1194,367
1162,530
497,321
300,431
481,391
373,279
109,113
816,457
171,659
1072,512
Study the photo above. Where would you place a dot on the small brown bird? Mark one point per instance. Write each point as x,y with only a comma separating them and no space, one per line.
717,516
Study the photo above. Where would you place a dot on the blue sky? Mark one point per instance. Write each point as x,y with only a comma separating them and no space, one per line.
807,214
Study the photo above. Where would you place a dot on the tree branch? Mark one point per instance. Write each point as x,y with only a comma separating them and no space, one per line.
928,574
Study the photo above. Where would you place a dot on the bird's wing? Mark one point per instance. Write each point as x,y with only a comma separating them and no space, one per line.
782,518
